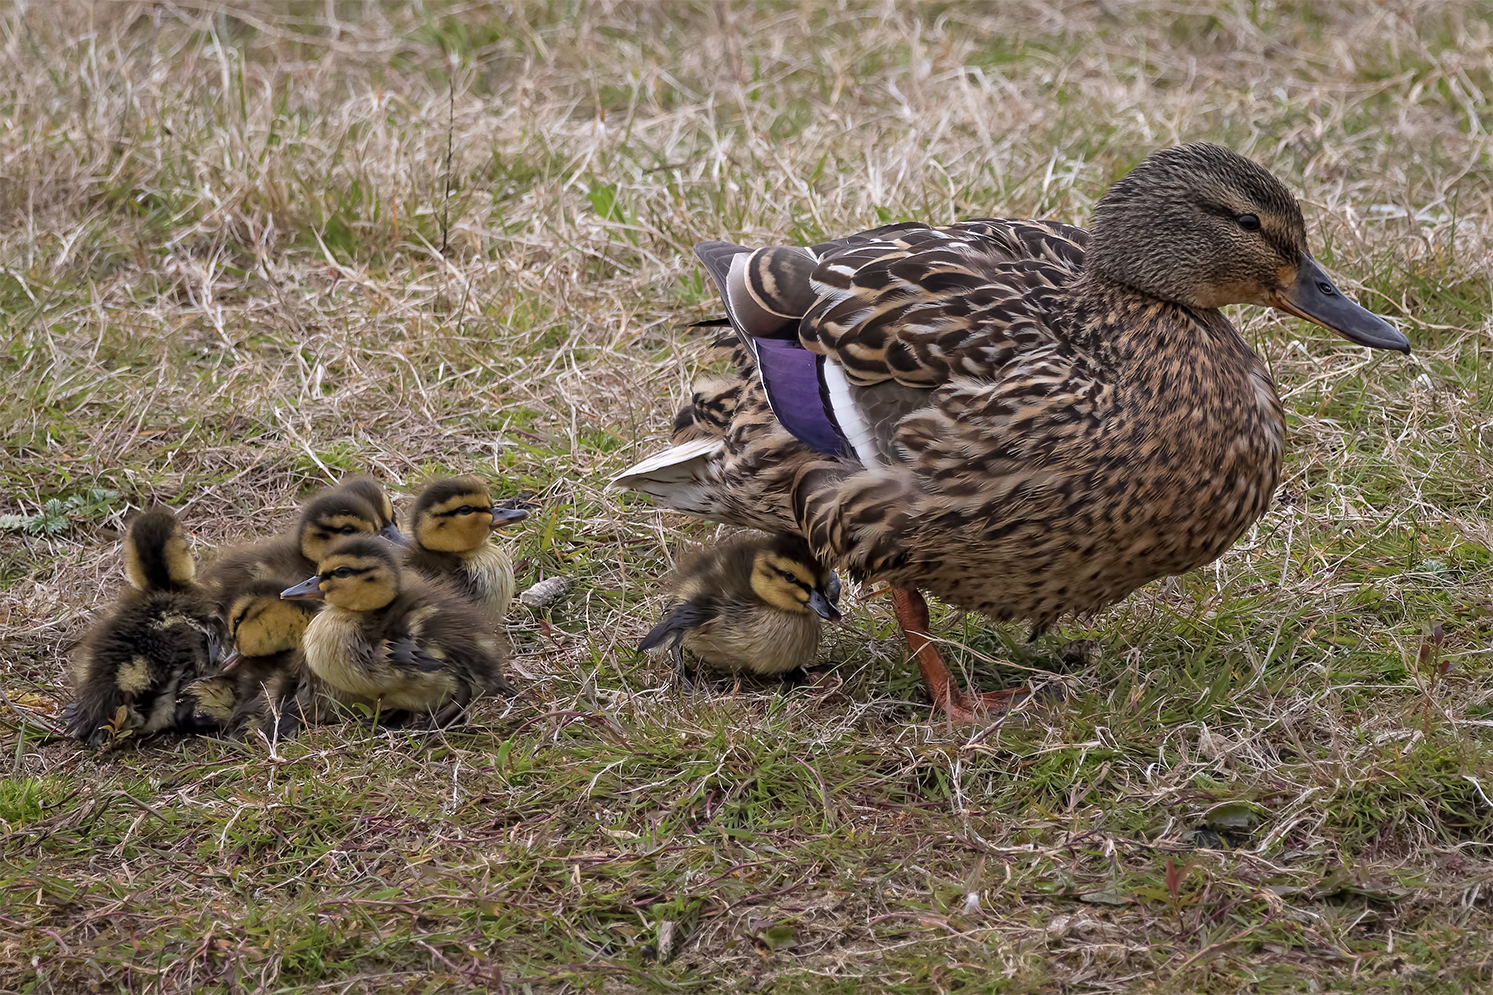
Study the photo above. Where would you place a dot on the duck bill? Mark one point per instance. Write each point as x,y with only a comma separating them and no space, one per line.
230,661
507,516
822,607
1314,297
391,533
307,590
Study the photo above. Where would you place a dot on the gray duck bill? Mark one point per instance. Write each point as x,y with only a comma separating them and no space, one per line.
1314,297
822,607
307,590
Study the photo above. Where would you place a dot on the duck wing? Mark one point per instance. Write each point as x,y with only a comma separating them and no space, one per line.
851,337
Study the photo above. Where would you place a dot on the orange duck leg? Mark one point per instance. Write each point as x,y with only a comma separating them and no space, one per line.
912,616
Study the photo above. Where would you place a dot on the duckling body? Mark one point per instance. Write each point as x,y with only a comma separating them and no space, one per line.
451,528
260,678
161,636
1019,416
750,605
287,559
393,640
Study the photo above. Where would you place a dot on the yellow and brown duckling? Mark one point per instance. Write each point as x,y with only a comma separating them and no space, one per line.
451,530
161,636
750,605
1021,417
331,515
392,640
259,678
372,491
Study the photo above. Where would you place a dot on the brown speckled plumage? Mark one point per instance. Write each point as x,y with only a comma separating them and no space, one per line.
1036,420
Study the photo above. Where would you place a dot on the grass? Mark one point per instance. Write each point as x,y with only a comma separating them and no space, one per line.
222,284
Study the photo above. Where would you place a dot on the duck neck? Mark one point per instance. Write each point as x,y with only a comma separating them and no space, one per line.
1124,327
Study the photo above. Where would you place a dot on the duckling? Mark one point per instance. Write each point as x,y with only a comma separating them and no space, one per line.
393,640
373,492
450,528
751,605
287,559
263,671
162,635
1022,417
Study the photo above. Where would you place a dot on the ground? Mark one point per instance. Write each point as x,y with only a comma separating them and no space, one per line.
245,249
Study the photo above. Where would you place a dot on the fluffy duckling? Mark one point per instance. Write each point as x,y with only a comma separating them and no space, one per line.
261,675
332,515
392,640
451,526
373,492
751,605
162,635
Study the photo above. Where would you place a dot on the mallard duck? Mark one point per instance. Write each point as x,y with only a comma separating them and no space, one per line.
451,528
749,605
287,559
162,635
1021,417
390,639
259,678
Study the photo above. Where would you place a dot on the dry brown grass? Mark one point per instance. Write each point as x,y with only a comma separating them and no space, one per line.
222,283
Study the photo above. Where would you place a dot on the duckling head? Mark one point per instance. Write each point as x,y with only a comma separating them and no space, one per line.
1201,226
157,556
332,516
787,576
457,515
360,574
373,492
261,623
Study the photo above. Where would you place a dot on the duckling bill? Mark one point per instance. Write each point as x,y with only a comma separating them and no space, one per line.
750,605
390,639
162,635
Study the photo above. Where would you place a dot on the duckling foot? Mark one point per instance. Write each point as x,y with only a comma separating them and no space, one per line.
912,616
683,680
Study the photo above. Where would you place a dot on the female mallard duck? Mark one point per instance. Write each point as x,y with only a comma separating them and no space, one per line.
393,640
259,678
285,560
750,605
451,529
1021,417
162,635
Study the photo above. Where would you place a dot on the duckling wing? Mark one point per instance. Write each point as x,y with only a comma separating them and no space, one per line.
678,620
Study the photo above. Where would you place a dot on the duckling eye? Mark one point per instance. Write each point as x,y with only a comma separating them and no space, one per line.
1248,222
788,576
465,509
342,572
347,530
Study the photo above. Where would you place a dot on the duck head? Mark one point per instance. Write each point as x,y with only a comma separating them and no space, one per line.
787,575
336,515
373,492
261,623
157,555
1201,226
457,515
359,574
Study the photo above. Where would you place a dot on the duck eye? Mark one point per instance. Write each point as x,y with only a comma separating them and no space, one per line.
465,509
788,576
347,530
342,572
1248,222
